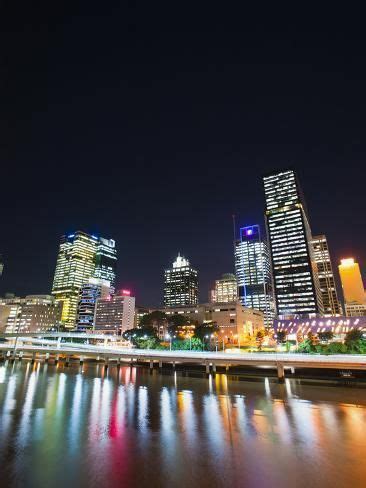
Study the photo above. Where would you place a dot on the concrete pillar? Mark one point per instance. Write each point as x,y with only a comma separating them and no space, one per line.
213,367
47,357
8,354
292,370
67,361
227,367
280,373
207,368
160,364
118,362
20,355
106,363
33,357
81,360
151,364
173,364
57,357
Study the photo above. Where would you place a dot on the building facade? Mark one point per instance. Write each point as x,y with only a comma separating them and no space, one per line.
295,279
88,296
81,256
34,313
180,284
226,289
115,314
353,288
106,261
233,319
253,271
1,265
327,284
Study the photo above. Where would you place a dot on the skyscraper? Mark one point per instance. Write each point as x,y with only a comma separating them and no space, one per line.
1,265
226,289
106,260
115,314
77,261
353,288
253,272
325,274
180,284
295,279
88,296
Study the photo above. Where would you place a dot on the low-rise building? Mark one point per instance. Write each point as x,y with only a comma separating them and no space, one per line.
34,313
115,314
233,319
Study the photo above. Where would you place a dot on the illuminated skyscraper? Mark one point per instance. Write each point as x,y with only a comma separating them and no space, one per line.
253,272
88,296
296,283
1,265
353,288
106,260
226,289
181,284
325,274
80,256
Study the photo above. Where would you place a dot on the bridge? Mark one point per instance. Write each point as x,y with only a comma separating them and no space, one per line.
115,355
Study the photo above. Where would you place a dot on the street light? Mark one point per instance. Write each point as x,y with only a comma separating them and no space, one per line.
168,336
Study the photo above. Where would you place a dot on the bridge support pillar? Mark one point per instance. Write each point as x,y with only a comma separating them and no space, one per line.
8,354
151,364
106,363
227,367
292,370
118,362
67,361
213,367
33,358
57,357
81,361
173,364
207,369
20,355
47,357
160,365
280,373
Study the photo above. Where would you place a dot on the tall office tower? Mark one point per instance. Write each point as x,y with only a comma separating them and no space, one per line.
295,279
88,296
115,314
106,260
80,255
226,289
1,265
253,272
353,288
325,274
180,284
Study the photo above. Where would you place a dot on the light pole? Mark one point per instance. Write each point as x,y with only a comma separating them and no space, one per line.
168,336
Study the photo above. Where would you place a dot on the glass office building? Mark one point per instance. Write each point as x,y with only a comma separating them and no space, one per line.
253,272
80,257
295,279
180,284
328,289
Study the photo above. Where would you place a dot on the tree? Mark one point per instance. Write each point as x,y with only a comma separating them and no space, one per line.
205,330
259,338
175,322
355,342
138,337
281,336
154,319
325,336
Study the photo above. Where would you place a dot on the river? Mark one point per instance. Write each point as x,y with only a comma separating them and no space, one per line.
87,427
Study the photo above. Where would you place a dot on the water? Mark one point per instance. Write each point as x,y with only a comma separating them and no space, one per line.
84,427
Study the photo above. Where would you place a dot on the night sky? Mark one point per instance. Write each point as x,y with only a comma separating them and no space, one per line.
152,125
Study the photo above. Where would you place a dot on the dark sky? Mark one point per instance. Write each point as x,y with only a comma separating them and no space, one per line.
152,125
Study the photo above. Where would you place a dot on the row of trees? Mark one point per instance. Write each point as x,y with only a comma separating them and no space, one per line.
180,330
354,342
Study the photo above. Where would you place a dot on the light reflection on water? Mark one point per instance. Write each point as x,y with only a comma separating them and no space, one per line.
87,427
